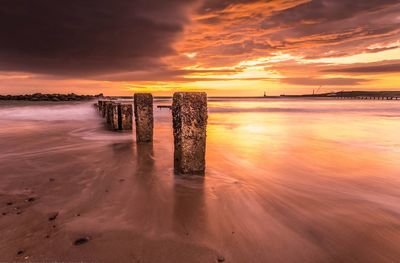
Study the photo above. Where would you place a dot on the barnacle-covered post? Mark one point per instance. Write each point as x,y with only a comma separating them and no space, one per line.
189,111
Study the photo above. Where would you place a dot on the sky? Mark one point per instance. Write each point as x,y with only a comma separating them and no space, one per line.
222,47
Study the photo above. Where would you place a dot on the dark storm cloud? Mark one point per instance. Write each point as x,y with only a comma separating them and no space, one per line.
77,37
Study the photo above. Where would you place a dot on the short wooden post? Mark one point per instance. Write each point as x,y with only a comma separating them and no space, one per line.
99,105
126,116
189,111
143,108
112,116
106,105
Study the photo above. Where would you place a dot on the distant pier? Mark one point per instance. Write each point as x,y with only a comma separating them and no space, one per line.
367,98
352,95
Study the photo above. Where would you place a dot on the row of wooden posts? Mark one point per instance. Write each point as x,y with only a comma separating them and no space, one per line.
189,121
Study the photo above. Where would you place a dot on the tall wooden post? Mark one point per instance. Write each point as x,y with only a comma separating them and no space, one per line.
189,111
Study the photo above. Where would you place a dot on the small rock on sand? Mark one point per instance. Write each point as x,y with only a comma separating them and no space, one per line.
53,216
30,199
81,241
220,259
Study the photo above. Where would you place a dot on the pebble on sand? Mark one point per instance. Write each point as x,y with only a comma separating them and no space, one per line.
81,241
53,216
220,259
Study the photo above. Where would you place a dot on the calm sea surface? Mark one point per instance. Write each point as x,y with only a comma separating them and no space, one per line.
287,180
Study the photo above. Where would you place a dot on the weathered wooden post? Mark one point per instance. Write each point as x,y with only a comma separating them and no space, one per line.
126,116
107,105
102,108
112,115
100,105
105,111
189,111
118,115
143,107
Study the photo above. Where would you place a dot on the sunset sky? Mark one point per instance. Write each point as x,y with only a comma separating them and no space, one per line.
235,48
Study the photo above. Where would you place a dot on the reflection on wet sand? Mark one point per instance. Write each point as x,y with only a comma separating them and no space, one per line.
189,212
145,160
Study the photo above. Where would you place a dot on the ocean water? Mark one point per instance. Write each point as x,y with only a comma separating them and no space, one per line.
287,180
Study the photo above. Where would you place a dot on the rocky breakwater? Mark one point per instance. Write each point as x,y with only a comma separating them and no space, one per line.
50,97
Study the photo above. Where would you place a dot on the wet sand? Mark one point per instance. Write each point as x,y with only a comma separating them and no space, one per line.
286,181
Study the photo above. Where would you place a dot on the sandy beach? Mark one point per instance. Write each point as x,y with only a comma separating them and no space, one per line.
286,181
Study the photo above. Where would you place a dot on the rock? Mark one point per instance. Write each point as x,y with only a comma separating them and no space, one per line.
52,216
9,203
20,252
51,179
30,199
81,241
220,259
